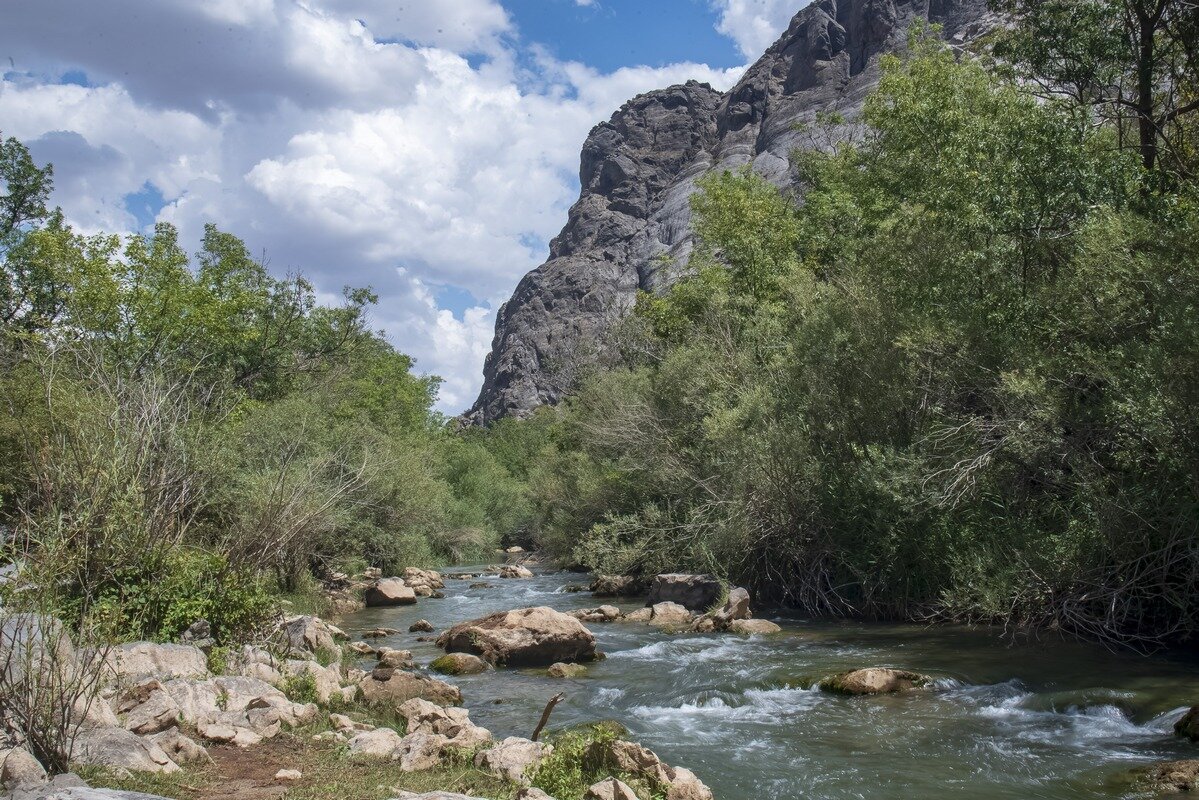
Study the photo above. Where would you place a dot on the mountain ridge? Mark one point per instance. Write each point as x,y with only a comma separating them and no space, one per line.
629,231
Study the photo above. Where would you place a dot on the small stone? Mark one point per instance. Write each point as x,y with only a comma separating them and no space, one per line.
421,626
288,775
563,670
459,664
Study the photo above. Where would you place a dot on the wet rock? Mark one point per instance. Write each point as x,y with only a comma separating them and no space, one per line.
139,661
452,723
459,664
362,649
751,627
601,614
181,748
392,688
147,708
619,586
1188,726
1170,777
876,680
524,637
118,748
693,592
515,571
379,633
561,670
669,615
480,585
396,659
421,626
514,759
574,588
610,789
390,592
640,615
18,768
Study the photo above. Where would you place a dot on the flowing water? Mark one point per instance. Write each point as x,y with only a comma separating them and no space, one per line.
1049,719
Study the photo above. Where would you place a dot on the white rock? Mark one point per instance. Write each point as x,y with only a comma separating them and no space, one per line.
120,749
19,768
610,789
288,775
513,759
379,743
137,661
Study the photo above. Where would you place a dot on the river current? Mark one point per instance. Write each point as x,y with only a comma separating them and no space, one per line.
1052,719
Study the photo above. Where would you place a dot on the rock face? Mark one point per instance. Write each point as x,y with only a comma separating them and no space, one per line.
630,229
526,637
694,592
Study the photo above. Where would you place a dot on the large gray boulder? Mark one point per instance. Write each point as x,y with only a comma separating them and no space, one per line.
139,661
693,592
630,230
118,748
390,592
525,637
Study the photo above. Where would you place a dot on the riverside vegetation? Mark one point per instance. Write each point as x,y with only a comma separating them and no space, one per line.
955,380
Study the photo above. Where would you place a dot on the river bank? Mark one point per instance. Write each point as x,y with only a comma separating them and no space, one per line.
1052,718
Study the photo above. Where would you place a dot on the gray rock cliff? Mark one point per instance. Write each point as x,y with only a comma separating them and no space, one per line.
630,230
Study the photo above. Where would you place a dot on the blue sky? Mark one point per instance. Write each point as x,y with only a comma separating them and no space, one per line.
427,148
609,34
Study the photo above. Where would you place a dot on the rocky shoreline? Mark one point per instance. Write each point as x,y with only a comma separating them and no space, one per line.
164,706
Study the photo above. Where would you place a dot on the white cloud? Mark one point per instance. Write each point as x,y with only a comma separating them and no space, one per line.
755,24
349,139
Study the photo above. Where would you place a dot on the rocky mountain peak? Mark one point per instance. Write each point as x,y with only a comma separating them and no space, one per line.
630,230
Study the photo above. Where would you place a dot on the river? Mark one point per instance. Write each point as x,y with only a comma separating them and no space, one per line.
1048,719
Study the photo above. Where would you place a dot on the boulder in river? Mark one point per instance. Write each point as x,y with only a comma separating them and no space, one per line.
750,627
693,592
561,670
396,659
1188,726
669,615
525,637
875,680
459,664
390,592
391,688
515,571
1171,777
421,626
424,582
619,586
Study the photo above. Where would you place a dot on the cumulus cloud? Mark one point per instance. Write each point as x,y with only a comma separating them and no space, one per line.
419,148
755,24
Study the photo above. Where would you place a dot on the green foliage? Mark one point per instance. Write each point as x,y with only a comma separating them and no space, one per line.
300,688
958,380
187,435
565,773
